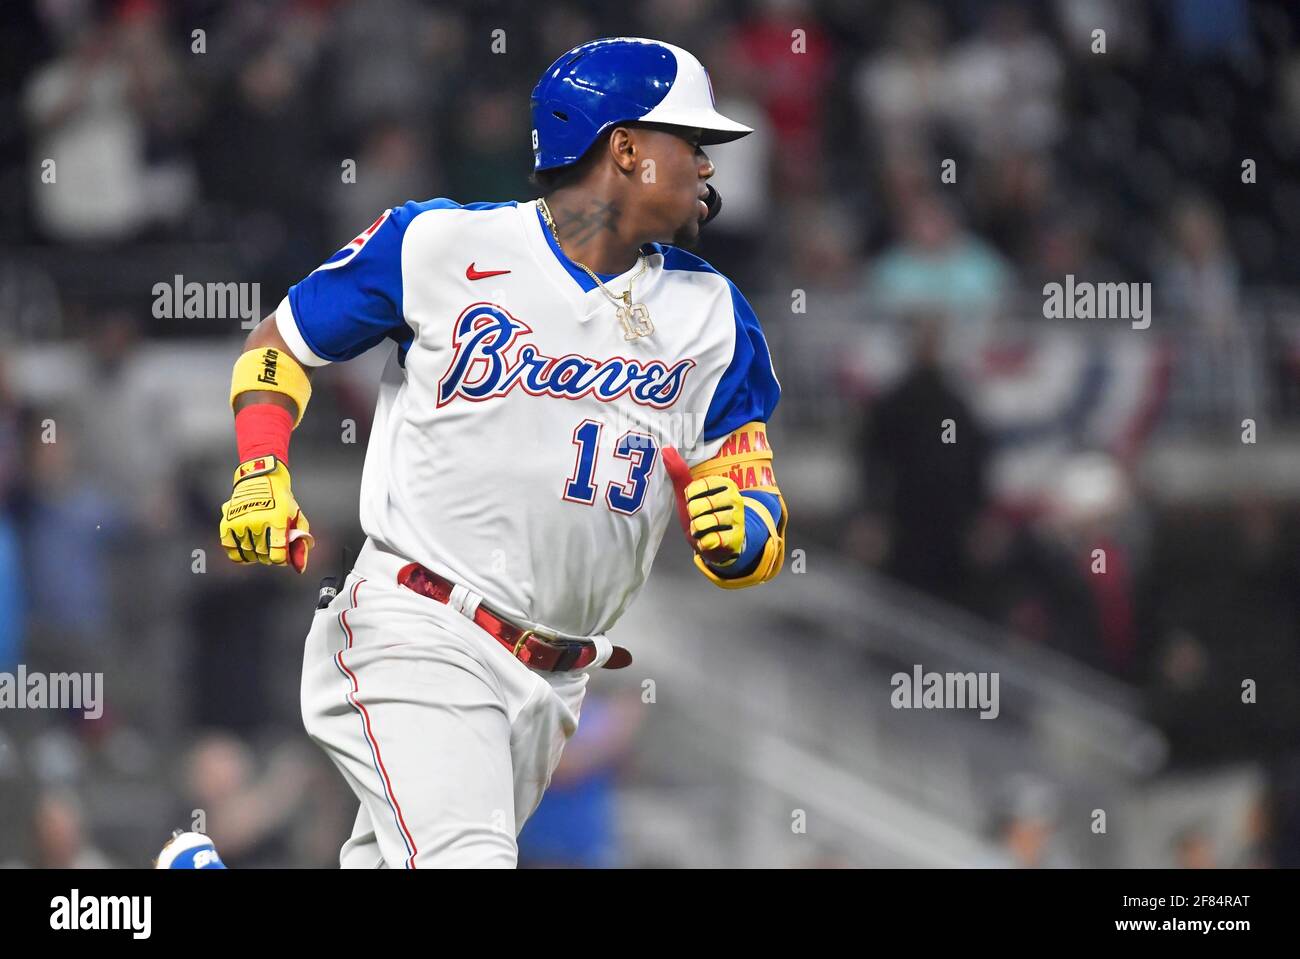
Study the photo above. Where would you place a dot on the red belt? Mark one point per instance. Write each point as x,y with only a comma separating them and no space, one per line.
549,655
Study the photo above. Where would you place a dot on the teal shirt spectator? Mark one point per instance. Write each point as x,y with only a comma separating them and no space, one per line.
967,274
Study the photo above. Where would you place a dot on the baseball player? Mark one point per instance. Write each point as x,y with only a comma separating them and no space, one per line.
562,377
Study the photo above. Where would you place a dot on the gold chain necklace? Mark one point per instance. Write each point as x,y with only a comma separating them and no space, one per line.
635,317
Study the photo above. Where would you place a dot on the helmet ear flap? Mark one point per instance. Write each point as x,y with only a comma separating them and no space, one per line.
558,120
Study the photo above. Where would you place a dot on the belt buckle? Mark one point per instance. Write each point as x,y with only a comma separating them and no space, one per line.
523,638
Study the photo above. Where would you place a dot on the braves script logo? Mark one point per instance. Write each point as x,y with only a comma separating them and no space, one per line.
481,368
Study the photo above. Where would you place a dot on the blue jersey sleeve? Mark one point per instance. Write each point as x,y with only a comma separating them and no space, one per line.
353,300
748,391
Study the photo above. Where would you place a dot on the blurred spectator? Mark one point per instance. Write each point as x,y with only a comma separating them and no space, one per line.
937,265
491,158
85,115
389,58
391,169
1217,367
67,523
167,105
1199,277
822,239
247,815
1063,244
782,56
1025,826
1048,584
59,837
1006,84
1038,592
904,89
1220,600
1012,199
264,160
1092,517
576,823
924,490
906,177
123,418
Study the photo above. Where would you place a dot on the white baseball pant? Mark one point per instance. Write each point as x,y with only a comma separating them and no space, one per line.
447,739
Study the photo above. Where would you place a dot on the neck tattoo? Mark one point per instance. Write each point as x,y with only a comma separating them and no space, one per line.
634,317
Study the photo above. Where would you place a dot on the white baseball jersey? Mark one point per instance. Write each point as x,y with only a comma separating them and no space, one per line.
517,438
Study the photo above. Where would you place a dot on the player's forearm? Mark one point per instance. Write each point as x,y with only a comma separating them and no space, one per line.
269,391
264,335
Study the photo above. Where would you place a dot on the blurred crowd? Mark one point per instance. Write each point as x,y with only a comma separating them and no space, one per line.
1118,156
930,161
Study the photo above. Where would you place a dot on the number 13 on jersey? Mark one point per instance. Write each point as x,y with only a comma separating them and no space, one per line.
638,449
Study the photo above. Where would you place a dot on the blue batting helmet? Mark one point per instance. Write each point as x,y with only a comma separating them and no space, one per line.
617,80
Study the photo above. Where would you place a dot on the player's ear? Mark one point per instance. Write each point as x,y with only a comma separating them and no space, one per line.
623,147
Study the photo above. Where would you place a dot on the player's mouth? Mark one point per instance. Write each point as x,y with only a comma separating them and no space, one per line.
704,208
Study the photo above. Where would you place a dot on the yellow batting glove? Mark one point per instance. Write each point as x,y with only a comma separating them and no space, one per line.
717,517
261,522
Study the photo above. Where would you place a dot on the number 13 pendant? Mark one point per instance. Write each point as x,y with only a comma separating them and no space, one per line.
635,318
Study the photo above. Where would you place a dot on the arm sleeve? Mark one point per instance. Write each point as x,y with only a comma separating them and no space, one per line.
353,300
748,391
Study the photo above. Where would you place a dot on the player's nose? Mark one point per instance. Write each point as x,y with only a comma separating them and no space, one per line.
706,168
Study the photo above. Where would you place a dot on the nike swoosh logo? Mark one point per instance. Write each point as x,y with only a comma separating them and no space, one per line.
473,274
